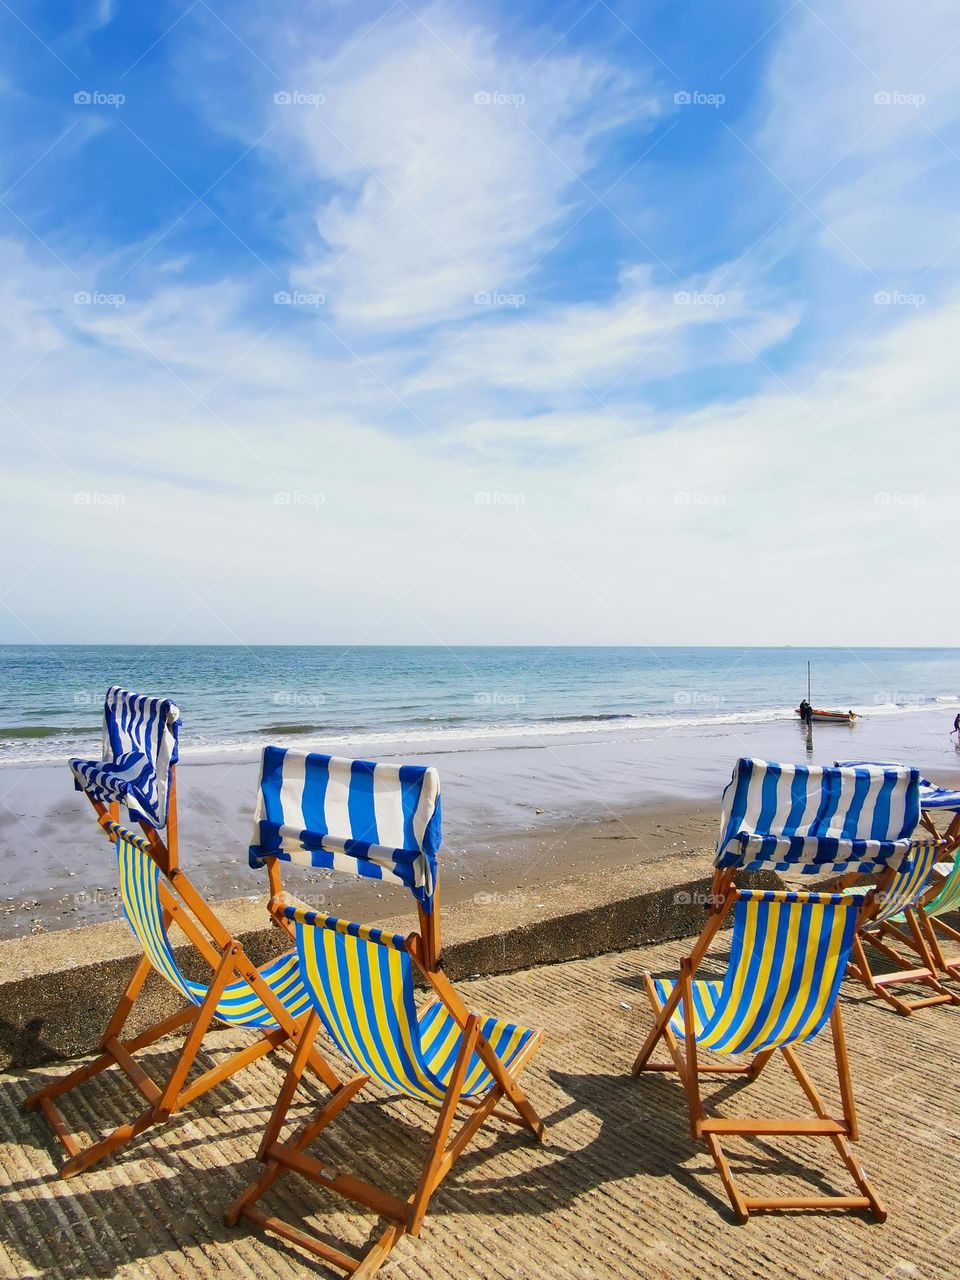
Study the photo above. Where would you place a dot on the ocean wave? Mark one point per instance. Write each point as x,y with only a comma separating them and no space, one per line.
600,717
25,747
31,731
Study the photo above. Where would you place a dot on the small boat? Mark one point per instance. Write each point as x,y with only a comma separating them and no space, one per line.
819,716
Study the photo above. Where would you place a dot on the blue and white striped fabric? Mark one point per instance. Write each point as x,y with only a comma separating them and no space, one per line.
816,820
932,796
380,821
140,747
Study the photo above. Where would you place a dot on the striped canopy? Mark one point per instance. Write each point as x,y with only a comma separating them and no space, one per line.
817,820
376,820
932,796
140,747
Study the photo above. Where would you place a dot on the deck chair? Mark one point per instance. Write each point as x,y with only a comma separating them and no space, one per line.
940,897
139,771
788,951
381,822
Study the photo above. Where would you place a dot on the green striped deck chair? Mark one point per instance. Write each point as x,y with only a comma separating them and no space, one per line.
942,900
383,823
789,951
139,772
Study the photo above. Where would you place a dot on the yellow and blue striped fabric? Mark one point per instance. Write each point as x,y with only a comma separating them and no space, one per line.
238,1005
948,898
788,955
361,983
816,820
907,885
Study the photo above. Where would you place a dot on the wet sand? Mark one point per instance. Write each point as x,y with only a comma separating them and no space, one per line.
516,815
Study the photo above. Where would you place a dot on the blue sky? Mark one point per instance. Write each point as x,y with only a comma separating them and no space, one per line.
583,323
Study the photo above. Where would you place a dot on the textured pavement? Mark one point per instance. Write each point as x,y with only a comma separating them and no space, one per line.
618,1190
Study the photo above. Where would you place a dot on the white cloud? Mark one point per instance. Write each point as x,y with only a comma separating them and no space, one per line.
644,332
455,161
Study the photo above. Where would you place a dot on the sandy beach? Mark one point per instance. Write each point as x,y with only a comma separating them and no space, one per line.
517,814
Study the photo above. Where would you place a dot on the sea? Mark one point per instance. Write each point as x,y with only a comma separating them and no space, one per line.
236,698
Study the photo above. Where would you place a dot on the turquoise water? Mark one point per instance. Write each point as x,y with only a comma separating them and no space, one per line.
234,697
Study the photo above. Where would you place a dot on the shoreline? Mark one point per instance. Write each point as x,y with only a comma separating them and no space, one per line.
517,814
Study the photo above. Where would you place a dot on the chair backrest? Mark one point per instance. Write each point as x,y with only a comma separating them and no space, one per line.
360,980
140,750
908,882
932,795
816,820
788,956
380,821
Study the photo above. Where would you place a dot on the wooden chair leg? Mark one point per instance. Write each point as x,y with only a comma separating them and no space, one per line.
692,1081
168,1100
429,1178
290,1084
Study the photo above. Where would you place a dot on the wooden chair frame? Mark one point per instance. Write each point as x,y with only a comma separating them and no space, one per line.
404,1216
185,906
684,1060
